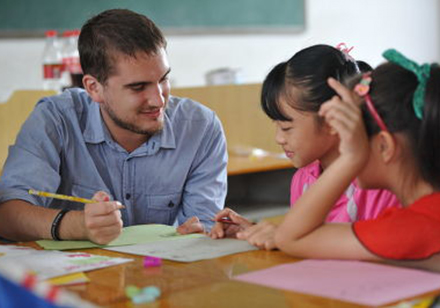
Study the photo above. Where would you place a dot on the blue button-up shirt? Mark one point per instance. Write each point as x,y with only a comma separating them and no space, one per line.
65,147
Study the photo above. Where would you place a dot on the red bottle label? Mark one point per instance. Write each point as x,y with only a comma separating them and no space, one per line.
72,65
52,71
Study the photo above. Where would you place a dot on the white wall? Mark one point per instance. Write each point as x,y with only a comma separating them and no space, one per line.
411,26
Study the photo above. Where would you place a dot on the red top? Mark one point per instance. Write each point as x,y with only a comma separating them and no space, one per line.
409,233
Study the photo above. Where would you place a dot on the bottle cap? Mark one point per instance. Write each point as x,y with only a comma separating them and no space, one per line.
51,33
67,33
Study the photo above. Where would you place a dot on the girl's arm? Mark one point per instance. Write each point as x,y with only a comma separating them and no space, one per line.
303,233
432,263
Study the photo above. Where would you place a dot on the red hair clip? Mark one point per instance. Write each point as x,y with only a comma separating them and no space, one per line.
362,89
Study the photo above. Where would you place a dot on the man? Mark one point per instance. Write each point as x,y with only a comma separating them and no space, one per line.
124,138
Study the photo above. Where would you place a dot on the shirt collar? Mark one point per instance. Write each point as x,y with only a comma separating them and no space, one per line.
96,132
314,169
167,138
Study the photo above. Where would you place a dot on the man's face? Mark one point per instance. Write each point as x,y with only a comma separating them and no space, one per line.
135,96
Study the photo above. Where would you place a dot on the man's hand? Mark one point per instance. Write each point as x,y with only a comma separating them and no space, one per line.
221,230
103,219
192,225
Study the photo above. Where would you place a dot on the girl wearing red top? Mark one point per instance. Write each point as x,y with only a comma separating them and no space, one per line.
389,139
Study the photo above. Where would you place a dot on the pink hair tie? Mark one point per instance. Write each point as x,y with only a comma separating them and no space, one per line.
362,89
342,47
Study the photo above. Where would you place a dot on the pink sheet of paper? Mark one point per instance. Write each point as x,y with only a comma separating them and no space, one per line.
351,281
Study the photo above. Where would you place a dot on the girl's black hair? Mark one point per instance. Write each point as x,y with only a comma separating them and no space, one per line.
307,73
364,66
392,90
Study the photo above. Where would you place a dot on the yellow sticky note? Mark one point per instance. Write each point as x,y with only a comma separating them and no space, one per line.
69,279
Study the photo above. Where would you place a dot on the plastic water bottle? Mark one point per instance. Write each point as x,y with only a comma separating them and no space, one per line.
72,75
52,63
76,73
65,59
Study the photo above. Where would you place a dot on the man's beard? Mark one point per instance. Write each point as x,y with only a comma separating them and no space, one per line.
131,127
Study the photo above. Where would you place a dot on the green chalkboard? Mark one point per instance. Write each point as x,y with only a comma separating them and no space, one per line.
33,17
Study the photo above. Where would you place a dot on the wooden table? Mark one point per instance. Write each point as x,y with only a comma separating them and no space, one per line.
197,284
249,164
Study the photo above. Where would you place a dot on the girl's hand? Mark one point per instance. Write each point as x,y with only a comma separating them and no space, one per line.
344,115
261,235
221,230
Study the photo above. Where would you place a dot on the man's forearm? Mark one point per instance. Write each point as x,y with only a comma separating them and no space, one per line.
72,226
22,221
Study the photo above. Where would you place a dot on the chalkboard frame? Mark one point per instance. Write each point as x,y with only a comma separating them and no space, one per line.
280,16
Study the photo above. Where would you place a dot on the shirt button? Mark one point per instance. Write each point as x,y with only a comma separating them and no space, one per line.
127,196
171,204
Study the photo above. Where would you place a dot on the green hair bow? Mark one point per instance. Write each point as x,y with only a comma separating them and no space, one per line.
421,71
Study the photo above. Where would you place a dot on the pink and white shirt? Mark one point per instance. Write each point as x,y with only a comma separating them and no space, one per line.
354,205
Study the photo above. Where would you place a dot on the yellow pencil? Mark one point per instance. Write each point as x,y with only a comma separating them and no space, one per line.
61,197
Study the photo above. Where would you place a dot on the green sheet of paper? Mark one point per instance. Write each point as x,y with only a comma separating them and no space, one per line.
130,236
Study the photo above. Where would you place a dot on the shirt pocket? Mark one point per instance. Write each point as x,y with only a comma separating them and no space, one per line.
161,209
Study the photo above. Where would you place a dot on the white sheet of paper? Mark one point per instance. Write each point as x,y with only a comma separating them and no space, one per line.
13,250
49,264
188,250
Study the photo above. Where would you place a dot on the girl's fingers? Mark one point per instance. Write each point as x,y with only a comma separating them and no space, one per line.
227,213
254,230
339,110
345,98
223,213
232,230
341,127
249,232
337,102
263,240
345,93
343,115
340,122
217,231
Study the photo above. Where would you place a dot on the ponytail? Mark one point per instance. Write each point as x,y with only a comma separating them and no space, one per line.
428,147
396,95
